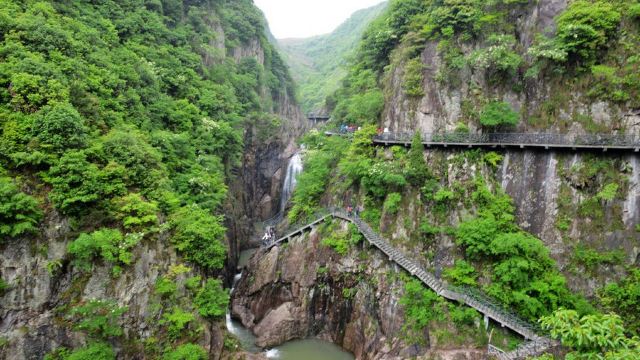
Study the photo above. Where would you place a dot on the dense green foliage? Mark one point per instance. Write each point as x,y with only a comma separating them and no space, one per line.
421,306
199,235
521,265
318,63
93,351
186,352
212,300
97,318
623,298
125,120
19,212
498,113
108,244
321,156
591,336
126,112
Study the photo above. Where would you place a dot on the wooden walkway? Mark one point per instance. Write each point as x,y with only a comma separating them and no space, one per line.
602,142
599,142
535,345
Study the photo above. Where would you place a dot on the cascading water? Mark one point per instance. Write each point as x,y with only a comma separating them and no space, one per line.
293,169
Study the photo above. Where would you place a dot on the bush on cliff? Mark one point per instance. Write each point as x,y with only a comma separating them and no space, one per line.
19,212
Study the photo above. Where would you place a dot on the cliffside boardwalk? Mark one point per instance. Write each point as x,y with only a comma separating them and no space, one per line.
545,141
535,346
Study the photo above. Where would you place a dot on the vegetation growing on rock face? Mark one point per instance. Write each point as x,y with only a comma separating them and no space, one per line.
19,212
591,336
124,120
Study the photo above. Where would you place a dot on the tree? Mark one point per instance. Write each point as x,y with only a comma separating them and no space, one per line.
591,336
623,298
498,113
212,300
417,170
19,212
199,235
77,183
59,128
586,27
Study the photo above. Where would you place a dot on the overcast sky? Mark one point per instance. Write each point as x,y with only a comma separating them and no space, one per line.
305,18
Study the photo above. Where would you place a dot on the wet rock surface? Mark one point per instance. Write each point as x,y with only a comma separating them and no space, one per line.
305,289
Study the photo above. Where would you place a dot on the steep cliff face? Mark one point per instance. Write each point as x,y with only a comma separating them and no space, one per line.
306,289
551,190
43,279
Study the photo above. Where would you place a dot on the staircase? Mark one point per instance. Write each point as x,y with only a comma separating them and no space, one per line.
535,346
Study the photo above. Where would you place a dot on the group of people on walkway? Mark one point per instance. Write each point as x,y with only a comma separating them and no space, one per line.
354,211
269,236
348,128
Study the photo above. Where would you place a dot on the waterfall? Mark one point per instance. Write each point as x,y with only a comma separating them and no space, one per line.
293,169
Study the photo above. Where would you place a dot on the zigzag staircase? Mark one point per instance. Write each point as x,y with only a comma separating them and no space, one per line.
535,345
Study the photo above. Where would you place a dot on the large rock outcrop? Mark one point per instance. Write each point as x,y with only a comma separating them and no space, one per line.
305,289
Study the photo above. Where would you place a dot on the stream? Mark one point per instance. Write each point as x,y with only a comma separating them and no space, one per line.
307,349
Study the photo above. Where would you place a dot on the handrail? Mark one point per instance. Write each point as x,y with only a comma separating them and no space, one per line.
470,296
619,141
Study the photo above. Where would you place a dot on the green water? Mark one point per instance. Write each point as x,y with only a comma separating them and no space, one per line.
310,349
244,257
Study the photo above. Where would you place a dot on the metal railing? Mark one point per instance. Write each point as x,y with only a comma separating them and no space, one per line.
537,139
473,297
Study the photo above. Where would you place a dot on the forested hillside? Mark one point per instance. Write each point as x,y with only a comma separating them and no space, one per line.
121,123
318,64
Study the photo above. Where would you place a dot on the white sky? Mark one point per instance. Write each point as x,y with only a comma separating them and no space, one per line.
305,18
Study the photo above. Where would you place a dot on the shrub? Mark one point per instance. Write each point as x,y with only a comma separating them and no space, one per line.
498,113
591,258
165,287
443,195
109,244
463,315
498,57
413,78
591,336
365,108
462,273
129,148
623,298
382,178
212,300
421,306
136,213
19,212
417,170
475,235
492,158
338,243
77,183
99,318
59,128
586,27
4,286
199,236
94,351
608,192
392,203
187,352
178,320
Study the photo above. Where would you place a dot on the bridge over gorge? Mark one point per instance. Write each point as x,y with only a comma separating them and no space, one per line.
317,118
533,346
